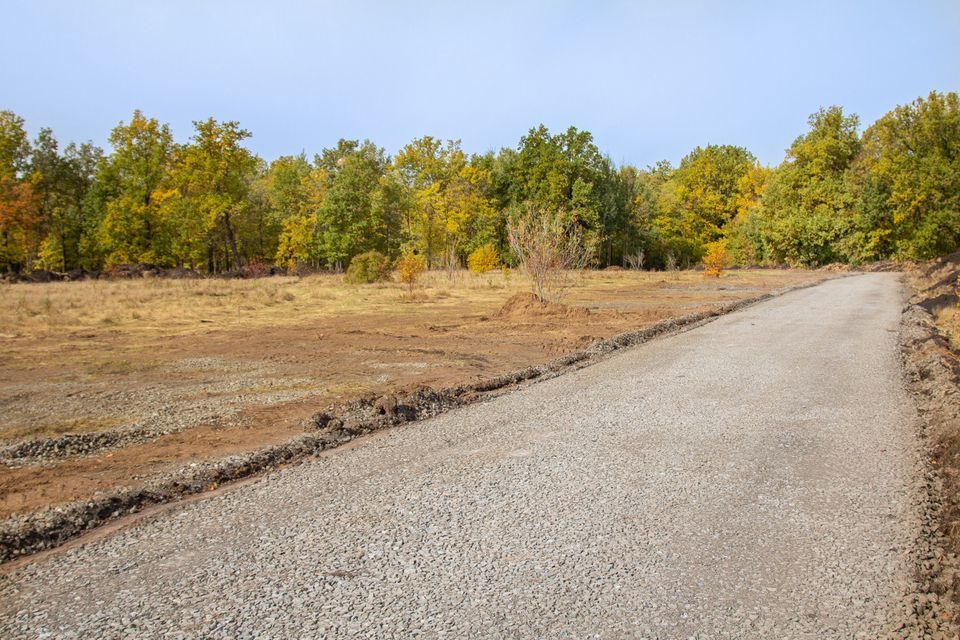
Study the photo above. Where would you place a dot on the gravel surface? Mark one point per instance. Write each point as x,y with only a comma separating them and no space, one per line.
753,477
204,391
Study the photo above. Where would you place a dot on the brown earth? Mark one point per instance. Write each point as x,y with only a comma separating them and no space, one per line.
932,363
526,307
225,382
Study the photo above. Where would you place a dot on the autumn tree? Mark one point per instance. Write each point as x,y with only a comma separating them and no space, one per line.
743,236
906,182
347,220
699,198
807,206
212,176
409,267
130,178
423,167
715,258
17,201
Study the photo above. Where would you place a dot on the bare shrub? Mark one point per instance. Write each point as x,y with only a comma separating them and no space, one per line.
550,252
451,261
670,263
635,260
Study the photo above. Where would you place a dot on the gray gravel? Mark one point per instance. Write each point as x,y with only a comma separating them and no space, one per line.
753,477
199,391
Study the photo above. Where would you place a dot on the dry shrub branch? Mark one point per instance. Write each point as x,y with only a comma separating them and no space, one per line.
550,251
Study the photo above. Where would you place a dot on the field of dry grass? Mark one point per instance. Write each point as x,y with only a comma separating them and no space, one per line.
216,367
163,307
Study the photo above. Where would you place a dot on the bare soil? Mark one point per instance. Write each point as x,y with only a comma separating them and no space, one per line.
224,383
932,363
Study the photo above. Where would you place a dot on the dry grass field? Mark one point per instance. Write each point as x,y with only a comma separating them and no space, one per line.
217,367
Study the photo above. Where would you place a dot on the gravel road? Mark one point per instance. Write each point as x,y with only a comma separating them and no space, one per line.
754,477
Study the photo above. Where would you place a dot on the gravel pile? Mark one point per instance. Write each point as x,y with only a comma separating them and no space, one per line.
757,477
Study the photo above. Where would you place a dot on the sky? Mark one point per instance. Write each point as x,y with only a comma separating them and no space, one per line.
650,80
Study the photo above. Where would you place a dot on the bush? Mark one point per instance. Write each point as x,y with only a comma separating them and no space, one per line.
368,267
255,269
549,251
409,267
483,259
716,259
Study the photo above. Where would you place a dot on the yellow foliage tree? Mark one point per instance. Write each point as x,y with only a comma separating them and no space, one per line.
409,267
716,259
296,242
483,259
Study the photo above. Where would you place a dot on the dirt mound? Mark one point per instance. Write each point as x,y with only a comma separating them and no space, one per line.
936,283
953,258
881,266
526,306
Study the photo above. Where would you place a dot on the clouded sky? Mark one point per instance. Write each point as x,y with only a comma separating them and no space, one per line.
650,80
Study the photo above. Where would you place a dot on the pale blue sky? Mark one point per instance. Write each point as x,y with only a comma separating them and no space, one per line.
651,80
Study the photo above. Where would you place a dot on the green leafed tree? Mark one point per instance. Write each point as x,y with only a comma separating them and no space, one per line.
565,173
699,199
278,195
210,208
907,182
807,208
129,182
348,222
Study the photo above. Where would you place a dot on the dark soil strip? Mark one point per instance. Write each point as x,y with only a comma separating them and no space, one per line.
52,526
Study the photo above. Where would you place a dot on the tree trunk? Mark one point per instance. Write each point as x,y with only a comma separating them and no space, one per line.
63,250
430,239
233,242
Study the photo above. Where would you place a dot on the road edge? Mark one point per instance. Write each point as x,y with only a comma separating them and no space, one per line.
933,610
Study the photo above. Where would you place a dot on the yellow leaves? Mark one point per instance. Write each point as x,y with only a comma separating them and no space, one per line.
296,241
483,259
750,187
160,196
315,185
409,267
716,259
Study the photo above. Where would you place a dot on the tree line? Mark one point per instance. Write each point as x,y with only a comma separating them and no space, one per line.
890,192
